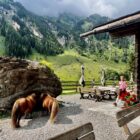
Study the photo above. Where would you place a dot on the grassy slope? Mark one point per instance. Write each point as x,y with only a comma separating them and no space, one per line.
67,66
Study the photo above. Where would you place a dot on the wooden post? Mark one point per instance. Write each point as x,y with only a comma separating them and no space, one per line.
137,52
126,130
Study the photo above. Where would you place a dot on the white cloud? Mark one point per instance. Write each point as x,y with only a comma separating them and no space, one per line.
111,8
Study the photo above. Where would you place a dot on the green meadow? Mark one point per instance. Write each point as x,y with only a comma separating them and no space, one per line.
67,66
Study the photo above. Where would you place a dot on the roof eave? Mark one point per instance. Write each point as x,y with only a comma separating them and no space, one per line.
115,25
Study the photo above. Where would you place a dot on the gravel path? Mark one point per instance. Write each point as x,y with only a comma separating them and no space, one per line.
74,113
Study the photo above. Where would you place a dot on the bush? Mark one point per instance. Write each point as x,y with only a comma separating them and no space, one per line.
112,75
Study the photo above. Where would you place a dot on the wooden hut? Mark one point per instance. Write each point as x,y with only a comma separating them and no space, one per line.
123,26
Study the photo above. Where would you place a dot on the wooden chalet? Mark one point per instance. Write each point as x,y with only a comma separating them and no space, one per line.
123,26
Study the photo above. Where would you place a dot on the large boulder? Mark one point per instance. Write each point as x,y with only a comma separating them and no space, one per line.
19,78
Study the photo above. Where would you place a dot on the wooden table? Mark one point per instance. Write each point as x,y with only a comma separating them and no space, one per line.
110,91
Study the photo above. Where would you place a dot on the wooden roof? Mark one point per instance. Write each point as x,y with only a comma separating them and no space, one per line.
123,26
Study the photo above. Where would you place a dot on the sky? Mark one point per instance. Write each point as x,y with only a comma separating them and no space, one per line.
110,8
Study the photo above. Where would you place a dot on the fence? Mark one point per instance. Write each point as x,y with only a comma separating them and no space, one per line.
70,87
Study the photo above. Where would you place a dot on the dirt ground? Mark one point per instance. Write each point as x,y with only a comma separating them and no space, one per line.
74,113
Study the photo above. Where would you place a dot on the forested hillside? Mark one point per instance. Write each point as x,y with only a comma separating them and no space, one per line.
26,35
24,31
69,33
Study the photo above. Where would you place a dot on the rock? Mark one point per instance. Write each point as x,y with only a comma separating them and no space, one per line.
19,78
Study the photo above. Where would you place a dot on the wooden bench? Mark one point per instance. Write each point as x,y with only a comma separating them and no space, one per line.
127,115
83,132
98,93
89,91
95,93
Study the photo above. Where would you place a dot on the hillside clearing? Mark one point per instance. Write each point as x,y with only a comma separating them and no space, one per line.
68,65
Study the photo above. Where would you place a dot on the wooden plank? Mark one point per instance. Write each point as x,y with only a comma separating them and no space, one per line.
70,85
88,136
130,30
76,82
115,24
135,135
69,81
69,88
87,90
92,93
126,130
126,119
126,111
137,62
74,133
91,89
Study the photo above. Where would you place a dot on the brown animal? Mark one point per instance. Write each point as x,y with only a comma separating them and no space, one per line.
21,107
50,104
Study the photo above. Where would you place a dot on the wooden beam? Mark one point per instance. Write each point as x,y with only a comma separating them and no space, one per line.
124,22
126,130
137,54
127,111
122,32
135,135
126,119
76,133
89,136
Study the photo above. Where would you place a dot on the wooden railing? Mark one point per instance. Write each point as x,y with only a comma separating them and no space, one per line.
70,87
